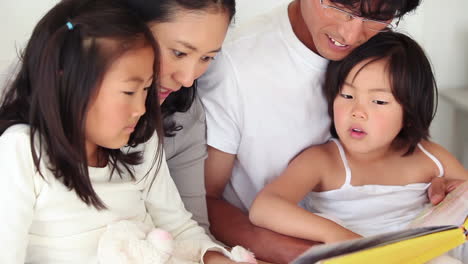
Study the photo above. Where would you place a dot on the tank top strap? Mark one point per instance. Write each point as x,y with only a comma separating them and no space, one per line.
434,159
345,162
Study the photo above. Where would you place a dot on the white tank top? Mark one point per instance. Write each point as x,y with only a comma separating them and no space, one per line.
371,209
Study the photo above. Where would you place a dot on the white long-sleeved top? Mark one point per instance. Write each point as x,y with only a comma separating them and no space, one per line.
44,222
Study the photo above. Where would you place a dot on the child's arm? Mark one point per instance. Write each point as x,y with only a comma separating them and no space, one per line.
454,172
17,196
453,207
276,206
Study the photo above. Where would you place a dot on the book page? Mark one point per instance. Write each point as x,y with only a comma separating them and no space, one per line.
453,210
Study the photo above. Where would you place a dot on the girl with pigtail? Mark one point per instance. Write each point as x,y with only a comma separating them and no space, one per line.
80,140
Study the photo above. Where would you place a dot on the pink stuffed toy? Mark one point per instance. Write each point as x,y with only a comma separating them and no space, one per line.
128,242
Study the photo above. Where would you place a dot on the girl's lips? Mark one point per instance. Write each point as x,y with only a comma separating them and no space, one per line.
357,133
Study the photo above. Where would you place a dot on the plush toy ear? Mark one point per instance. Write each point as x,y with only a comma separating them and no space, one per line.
161,240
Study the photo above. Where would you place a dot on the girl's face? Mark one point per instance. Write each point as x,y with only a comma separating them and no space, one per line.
188,43
119,101
366,114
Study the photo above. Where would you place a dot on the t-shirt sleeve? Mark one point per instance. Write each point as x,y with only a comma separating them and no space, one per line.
17,195
219,92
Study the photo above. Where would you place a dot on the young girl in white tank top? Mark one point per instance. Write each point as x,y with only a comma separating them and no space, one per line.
373,178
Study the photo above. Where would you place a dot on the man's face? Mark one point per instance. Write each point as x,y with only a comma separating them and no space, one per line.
334,39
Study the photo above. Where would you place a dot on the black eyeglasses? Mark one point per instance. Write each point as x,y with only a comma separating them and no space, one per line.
345,16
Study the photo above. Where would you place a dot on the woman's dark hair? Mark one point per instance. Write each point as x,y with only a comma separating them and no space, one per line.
379,9
62,67
411,78
158,11
164,10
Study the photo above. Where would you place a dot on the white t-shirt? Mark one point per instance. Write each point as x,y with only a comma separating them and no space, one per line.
44,222
264,102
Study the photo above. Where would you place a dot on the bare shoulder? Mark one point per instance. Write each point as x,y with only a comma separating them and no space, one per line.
452,167
318,154
306,172
433,147
437,150
317,164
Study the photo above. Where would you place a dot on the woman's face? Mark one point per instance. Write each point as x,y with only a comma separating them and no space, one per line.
188,43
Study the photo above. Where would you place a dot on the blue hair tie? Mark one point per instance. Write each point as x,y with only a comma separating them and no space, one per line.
70,25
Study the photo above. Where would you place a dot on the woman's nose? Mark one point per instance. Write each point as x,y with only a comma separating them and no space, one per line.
185,77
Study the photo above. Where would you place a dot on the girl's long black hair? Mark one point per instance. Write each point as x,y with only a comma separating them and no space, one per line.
62,66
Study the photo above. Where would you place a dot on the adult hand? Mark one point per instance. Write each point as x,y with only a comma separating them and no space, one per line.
440,186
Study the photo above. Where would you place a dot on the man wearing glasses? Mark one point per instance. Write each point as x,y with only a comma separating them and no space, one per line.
264,104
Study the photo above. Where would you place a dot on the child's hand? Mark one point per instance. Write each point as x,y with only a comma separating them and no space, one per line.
440,186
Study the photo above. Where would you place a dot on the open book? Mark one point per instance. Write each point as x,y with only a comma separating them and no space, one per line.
435,231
